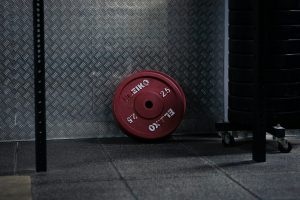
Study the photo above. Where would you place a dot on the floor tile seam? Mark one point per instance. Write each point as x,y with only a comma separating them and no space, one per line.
264,173
288,198
9,173
215,166
117,179
109,158
74,181
167,177
283,198
150,160
126,178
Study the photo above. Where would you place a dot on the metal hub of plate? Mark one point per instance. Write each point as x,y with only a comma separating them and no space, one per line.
149,105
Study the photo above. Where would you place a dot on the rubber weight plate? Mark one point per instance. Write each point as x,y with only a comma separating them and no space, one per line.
149,105
286,46
241,18
241,5
241,46
270,75
287,90
287,32
286,5
241,32
241,60
290,17
283,61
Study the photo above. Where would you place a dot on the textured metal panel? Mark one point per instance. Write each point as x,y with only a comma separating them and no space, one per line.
69,84
196,38
129,36
91,45
16,66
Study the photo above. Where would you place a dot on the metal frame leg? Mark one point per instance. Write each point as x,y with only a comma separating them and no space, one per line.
39,86
259,144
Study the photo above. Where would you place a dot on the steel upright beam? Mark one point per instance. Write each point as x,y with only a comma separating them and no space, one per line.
262,15
39,86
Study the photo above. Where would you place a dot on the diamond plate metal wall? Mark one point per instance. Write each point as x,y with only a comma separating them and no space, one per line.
69,84
196,38
129,36
91,45
16,66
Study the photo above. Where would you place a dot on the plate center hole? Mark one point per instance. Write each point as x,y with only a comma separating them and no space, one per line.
149,104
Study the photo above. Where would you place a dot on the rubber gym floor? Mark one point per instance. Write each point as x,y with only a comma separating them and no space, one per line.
184,167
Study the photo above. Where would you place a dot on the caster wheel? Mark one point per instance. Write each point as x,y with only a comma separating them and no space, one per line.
228,140
285,149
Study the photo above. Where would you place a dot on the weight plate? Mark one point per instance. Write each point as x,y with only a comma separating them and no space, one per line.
241,89
287,5
174,81
241,46
286,46
289,120
241,18
241,32
281,61
287,61
241,61
276,4
241,75
282,75
291,17
243,118
270,75
241,5
272,104
283,104
286,32
271,89
241,103
283,89
149,105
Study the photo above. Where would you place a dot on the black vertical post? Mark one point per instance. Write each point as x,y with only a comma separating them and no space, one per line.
39,86
261,27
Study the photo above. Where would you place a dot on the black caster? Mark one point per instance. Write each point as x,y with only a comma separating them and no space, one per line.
285,147
228,140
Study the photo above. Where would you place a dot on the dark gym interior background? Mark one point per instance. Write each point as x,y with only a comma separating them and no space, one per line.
91,45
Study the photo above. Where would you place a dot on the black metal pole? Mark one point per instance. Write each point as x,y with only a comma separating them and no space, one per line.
261,26
39,86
